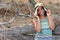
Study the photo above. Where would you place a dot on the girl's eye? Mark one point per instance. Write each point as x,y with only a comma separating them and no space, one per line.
41,8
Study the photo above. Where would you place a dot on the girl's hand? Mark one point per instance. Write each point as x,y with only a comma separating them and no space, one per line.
35,14
37,17
48,12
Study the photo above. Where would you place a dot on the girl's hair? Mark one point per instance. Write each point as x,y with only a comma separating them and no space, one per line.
44,12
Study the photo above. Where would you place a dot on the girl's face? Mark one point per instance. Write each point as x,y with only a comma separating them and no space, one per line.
40,11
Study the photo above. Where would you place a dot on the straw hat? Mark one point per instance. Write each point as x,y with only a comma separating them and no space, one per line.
37,6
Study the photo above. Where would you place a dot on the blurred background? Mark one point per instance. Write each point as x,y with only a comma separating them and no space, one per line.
16,18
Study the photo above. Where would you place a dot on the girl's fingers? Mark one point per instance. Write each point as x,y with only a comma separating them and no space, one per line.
36,11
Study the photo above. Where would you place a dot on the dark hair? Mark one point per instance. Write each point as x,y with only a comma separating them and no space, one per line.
44,12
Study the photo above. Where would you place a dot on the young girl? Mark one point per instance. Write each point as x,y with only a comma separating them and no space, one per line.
43,23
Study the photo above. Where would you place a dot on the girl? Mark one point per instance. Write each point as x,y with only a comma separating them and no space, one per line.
43,23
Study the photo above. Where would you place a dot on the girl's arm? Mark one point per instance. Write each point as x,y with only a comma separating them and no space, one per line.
36,24
51,23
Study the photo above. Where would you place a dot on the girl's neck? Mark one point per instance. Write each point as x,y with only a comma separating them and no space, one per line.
42,17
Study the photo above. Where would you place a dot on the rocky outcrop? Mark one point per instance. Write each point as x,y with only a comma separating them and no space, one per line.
14,30
22,33
17,33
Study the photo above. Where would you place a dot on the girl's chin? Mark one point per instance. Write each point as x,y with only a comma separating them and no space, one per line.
42,15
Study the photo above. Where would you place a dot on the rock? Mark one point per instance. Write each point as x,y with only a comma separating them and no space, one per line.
5,1
57,37
17,33
57,30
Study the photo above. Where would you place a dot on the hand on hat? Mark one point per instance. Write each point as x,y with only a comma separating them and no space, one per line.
48,12
37,17
35,14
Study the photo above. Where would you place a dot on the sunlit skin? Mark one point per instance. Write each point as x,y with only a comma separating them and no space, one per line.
40,11
36,24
